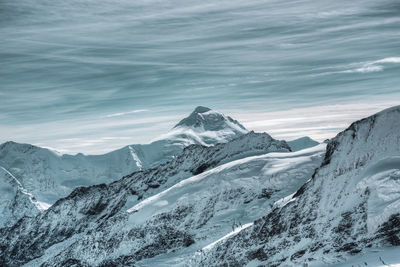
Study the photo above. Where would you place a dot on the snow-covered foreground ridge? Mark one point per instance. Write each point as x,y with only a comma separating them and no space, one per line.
87,210
351,203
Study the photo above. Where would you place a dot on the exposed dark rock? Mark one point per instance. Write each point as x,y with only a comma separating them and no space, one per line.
258,254
390,230
298,254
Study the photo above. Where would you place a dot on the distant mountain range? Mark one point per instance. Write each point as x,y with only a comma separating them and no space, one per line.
38,177
221,196
47,175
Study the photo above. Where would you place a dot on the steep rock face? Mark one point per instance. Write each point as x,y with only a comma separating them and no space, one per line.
351,202
48,175
85,209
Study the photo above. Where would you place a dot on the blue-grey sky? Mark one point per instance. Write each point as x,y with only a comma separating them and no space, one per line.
91,76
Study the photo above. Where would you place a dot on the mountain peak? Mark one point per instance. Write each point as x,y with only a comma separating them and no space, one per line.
201,109
210,120
17,146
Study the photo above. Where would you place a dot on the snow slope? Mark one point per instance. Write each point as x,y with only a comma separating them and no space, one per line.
48,175
351,203
375,257
224,200
192,213
15,201
87,210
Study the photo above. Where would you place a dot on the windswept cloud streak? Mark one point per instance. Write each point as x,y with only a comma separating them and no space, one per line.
92,135
125,113
101,135
372,66
317,122
73,73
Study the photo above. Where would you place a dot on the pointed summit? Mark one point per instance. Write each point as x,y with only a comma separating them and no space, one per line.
201,109
203,118
206,127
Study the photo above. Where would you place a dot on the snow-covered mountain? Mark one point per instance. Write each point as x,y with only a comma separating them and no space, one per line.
206,127
302,143
352,203
47,176
89,212
249,201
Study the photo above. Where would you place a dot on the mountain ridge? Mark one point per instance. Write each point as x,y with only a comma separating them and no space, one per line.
103,202
48,175
249,201
351,203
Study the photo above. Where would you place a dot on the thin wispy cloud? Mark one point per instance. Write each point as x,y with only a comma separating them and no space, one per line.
91,135
317,122
68,75
373,66
126,113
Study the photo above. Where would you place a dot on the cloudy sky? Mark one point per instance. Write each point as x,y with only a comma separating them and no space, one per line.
89,76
